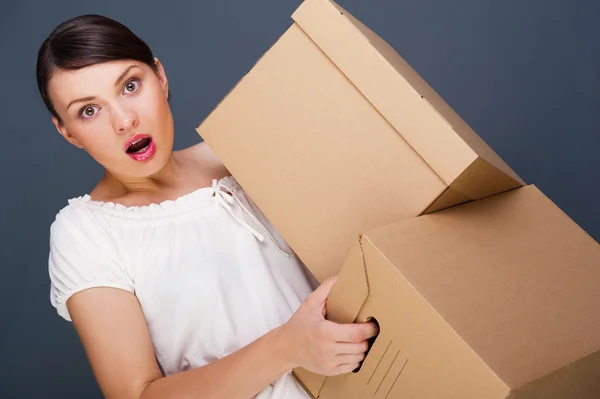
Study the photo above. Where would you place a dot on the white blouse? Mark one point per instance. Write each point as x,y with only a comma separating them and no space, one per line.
209,270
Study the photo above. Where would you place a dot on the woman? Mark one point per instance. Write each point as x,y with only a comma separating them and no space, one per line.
175,282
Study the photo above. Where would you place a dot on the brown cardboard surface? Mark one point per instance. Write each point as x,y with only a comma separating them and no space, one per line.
492,299
425,120
331,133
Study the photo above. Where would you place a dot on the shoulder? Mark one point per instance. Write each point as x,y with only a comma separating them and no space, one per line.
83,254
75,221
202,156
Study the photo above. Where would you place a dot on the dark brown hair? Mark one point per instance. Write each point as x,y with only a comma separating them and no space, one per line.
84,41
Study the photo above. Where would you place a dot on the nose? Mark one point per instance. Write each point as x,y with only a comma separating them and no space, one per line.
124,119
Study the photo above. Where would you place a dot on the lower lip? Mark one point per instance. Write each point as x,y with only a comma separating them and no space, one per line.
144,156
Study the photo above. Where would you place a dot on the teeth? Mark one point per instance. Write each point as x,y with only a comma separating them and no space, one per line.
135,142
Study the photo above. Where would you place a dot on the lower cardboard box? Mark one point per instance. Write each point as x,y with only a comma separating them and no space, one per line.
497,298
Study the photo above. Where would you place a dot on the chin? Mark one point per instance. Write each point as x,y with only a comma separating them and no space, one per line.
158,162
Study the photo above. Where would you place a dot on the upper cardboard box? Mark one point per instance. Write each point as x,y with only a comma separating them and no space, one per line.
332,133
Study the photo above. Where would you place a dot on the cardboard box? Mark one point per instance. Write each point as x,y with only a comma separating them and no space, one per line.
498,298
332,133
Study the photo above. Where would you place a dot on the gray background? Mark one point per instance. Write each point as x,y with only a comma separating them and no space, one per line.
523,74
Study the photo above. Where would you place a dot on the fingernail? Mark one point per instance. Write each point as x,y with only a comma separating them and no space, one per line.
375,327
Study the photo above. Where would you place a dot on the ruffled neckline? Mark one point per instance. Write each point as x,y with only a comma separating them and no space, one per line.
185,201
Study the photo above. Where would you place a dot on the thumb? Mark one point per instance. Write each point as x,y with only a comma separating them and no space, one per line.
319,296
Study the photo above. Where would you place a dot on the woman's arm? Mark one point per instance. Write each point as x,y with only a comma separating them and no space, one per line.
113,331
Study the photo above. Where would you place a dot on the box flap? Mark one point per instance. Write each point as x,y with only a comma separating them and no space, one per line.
343,306
402,97
351,288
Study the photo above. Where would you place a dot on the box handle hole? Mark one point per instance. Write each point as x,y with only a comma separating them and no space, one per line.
371,342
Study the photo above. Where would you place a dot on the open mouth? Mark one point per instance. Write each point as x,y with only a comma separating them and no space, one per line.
139,146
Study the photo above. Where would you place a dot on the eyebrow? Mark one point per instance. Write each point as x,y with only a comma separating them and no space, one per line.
119,79
122,76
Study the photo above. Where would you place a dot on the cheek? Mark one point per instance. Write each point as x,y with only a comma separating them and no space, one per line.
97,140
157,112
103,150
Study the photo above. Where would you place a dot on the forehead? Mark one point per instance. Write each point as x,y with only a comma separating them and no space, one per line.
95,80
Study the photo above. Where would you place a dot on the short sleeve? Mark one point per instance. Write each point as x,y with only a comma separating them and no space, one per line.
83,254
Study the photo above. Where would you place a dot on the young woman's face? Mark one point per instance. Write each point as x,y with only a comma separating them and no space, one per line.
118,112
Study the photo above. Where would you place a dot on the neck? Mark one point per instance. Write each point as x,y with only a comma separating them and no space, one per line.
165,179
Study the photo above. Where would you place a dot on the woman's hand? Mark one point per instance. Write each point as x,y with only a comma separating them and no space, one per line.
322,346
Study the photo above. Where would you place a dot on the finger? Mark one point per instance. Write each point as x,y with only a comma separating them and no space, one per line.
351,348
354,332
347,368
347,359
319,296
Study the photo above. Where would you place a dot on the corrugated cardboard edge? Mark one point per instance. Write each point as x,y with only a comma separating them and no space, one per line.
328,25
344,303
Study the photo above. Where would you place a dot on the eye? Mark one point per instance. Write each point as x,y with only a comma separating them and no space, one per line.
89,111
131,86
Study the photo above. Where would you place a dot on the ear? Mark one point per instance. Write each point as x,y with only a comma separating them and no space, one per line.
162,77
66,135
